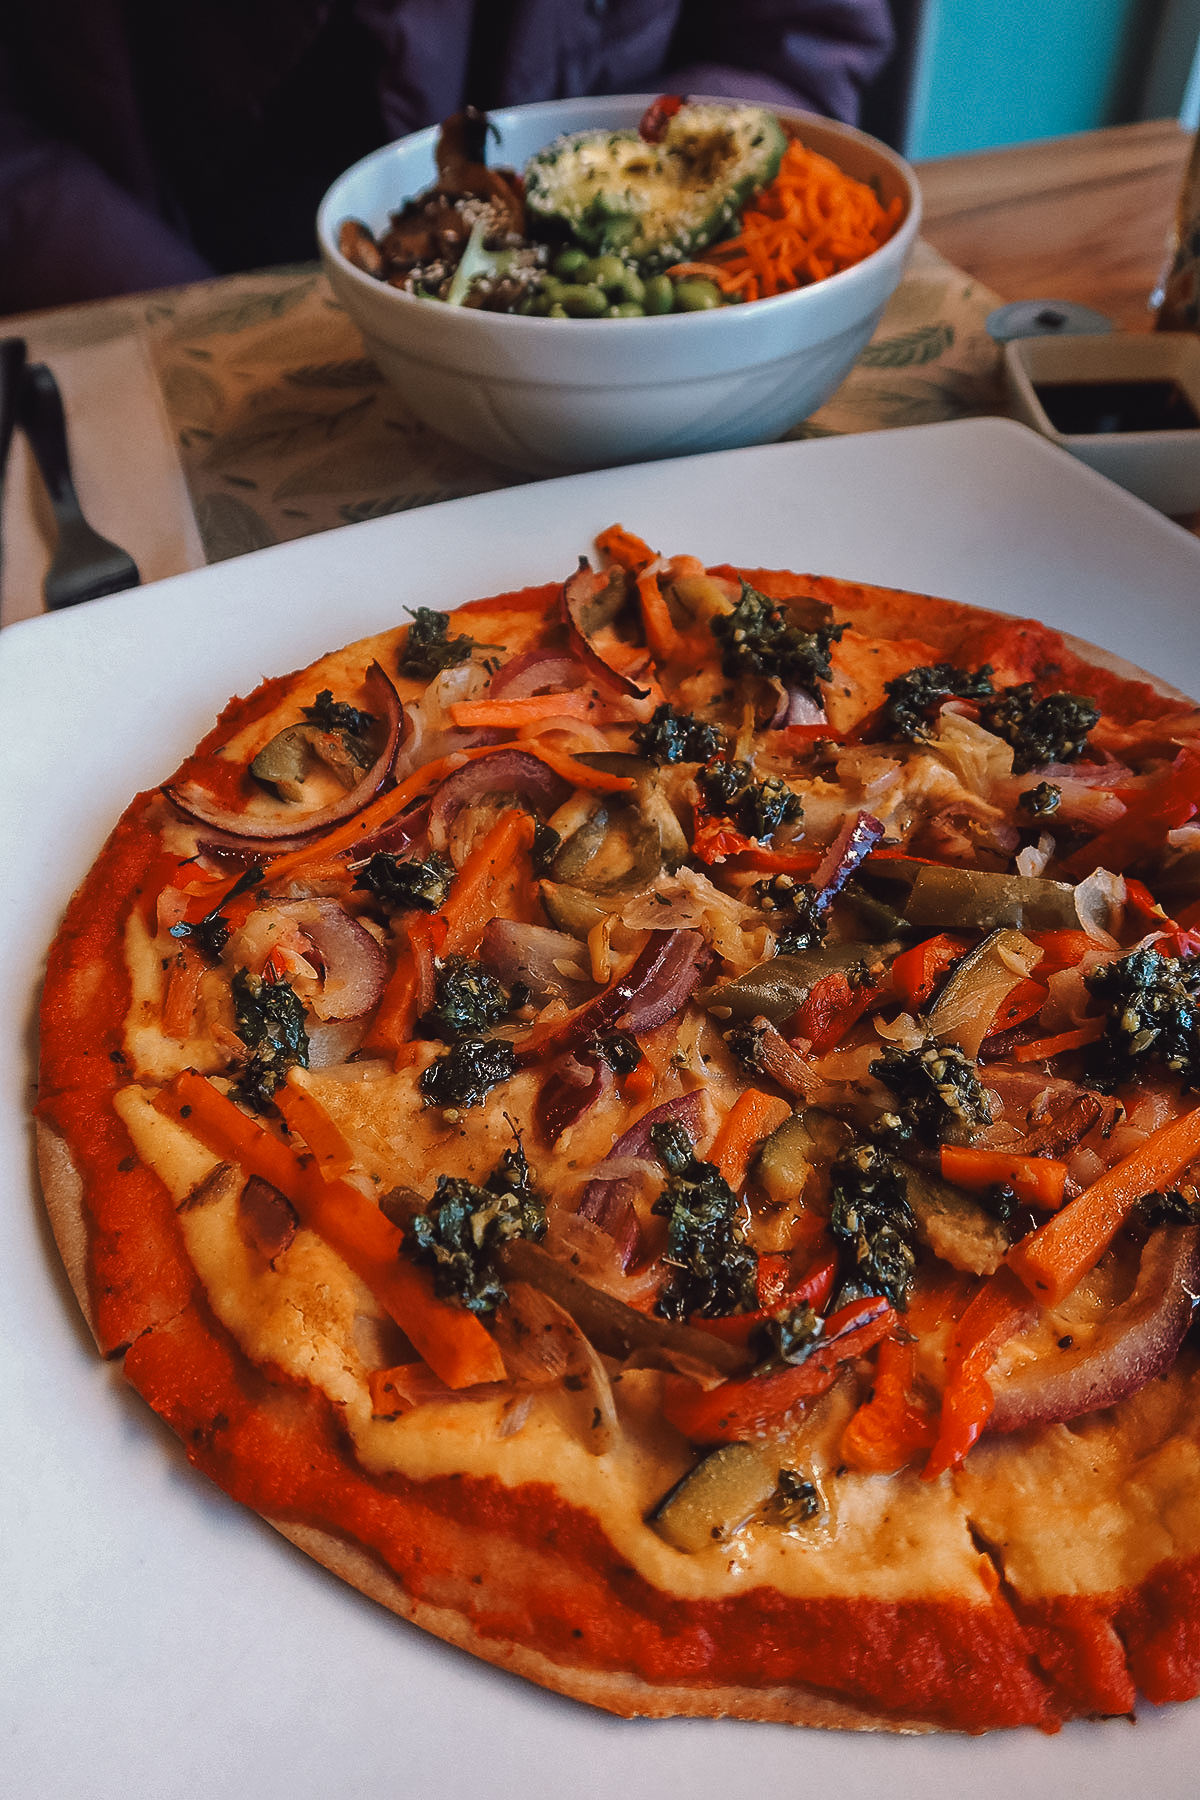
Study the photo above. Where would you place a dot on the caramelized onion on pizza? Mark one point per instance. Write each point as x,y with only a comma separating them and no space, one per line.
651,1124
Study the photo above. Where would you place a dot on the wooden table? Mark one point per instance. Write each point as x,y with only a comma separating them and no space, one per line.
1083,218
212,420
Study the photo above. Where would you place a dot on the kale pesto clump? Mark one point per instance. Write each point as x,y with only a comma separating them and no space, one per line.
1174,1206
1152,1017
758,808
467,998
337,715
914,697
270,1021
759,638
873,1224
429,648
1054,729
937,1088
465,1226
470,1070
672,737
405,885
806,924
714,1269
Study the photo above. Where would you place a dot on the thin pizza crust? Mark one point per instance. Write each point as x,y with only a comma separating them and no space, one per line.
622,1693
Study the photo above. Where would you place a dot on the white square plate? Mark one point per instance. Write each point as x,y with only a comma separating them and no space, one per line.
157,1640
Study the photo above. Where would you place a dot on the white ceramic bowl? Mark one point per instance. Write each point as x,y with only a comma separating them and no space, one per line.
552,395
1160,467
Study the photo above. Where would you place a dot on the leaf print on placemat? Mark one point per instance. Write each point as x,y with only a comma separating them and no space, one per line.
228,527
192,395
283,432
248,310
910,348
357,372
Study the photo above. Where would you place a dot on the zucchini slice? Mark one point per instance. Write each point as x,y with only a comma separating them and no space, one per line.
656,204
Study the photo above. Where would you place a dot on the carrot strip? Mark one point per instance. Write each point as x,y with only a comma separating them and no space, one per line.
753,1116
451,1340
1041,1048
511,715
657,622
304,1115
1056,1257
471,901
623,548
410,989
1036,1179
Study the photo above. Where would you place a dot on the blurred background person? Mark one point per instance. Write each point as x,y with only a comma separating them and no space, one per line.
145,143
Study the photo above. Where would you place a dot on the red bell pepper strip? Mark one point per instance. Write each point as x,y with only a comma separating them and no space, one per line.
890,1428
831,1006
998,1312
451,1340
916,972
764,1403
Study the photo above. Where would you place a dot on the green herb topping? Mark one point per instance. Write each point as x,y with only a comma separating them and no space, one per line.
807,923
468,998
759,638
337,715
270,1021
795,1499
714,1268
913,698
1177,1206
465,1225
469,1071
1153,1017
406,885
429,648
874,1224
1041,802
672,737
937,1088
758,808
1051,730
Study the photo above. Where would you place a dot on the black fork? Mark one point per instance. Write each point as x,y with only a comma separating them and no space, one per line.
85,565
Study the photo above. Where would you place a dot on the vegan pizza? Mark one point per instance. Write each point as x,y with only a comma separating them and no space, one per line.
650,1123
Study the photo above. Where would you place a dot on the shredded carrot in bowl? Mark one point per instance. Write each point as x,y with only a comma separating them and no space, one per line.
812,221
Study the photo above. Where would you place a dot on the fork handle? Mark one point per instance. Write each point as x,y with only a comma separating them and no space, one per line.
40,413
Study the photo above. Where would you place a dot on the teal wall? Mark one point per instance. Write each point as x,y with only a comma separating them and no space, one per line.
991,72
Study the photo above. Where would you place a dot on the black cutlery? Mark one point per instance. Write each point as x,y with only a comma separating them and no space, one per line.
85,565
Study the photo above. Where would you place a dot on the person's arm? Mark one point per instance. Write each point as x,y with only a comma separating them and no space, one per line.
819,54
69,233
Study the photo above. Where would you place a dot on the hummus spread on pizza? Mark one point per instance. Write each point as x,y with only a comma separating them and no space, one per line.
650,1123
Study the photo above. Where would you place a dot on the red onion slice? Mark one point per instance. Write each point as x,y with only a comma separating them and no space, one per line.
570,1090
355,963
508,772
1139,1340
609,1203
535,672
580,592
539,957
656,987
280,828
849,849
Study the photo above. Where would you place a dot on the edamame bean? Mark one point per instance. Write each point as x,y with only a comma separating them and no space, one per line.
627,309
659,296
569,263
607,272
579,302
696,296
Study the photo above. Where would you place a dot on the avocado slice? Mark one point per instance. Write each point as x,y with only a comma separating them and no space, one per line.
656,204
